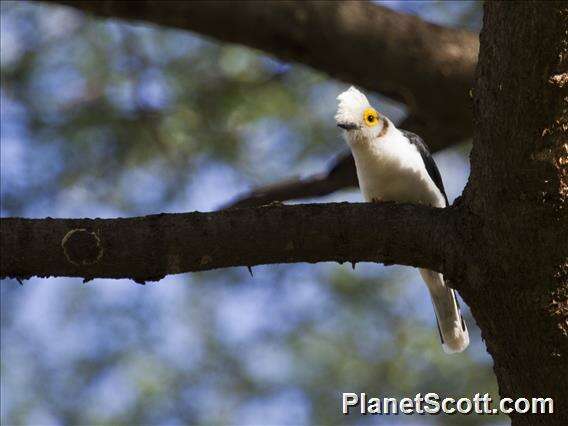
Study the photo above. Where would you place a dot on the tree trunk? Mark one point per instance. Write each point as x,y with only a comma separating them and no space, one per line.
515,273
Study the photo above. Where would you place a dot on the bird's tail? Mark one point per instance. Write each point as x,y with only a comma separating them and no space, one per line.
452,328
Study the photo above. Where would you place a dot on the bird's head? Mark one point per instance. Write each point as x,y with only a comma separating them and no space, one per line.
358,118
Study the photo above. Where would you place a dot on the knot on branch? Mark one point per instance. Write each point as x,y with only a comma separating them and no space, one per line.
82,247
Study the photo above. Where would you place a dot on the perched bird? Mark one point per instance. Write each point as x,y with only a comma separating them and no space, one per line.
395,165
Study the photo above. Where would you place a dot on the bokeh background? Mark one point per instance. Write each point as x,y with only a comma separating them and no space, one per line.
102,118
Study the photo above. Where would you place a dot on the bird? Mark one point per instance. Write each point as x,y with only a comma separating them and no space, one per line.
396,165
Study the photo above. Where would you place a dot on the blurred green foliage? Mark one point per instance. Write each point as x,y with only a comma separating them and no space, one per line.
101,118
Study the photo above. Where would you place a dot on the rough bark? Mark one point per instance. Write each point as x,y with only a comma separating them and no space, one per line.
428,67
148,248
515,276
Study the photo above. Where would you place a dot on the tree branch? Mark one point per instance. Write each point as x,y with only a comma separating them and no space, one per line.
148,248
341,174
428,67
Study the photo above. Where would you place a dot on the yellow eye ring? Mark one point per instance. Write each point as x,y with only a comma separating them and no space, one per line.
370,117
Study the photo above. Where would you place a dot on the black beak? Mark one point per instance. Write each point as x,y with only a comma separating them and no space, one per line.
347,126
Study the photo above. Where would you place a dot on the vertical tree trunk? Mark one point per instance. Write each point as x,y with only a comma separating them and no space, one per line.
516,267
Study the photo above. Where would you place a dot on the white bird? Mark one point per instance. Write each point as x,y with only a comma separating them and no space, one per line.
395,165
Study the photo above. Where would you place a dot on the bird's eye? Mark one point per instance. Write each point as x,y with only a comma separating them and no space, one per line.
371,117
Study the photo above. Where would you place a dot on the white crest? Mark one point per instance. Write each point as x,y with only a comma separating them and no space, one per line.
352,104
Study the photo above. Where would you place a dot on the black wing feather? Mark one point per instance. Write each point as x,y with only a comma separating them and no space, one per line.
429,162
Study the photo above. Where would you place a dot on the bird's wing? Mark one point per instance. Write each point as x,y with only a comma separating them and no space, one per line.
429,162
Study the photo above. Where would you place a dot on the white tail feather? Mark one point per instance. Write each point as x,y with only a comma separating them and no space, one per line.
453,331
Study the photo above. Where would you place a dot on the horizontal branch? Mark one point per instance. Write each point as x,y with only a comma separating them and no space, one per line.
151,247
428,67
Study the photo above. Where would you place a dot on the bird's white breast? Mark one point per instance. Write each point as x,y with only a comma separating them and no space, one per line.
391,169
